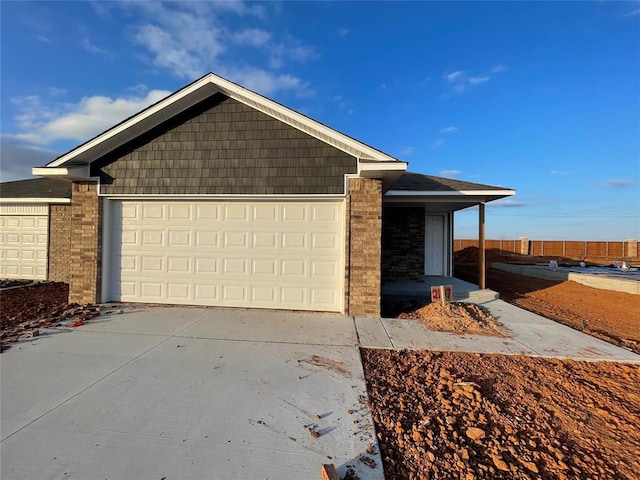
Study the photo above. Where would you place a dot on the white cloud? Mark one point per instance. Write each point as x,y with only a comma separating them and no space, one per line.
476,80
560,172
632,13
437,144
450,173
454,76
189,39
18,160
343,32
254,37
56,92
407,151
42,125
462,82
88,45
507,203
451,129
618,183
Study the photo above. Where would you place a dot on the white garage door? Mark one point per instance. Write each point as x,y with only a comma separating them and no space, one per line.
285,255
23,241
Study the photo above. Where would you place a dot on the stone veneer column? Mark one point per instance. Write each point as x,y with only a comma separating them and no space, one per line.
59,243
86,243
364,249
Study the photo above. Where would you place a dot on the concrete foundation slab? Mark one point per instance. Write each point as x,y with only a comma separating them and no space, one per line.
604,282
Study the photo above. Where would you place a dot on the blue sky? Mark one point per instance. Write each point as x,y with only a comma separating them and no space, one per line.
541,97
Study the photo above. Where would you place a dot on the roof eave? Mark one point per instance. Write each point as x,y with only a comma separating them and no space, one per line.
77,173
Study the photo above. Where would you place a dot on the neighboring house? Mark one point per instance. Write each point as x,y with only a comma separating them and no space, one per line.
34,229
219,196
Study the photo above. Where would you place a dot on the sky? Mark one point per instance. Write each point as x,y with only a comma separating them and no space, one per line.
540,97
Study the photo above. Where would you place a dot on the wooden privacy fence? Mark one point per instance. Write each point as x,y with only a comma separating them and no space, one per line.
552,248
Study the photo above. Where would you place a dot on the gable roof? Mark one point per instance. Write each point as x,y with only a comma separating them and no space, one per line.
191,95
36,189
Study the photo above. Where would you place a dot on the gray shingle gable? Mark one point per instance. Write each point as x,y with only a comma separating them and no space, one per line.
223,146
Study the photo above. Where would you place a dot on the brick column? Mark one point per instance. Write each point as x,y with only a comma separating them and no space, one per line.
86,243
59,243
364,249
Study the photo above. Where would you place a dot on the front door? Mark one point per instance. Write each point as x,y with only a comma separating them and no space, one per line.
434,245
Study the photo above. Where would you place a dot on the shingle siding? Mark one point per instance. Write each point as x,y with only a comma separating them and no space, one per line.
222,146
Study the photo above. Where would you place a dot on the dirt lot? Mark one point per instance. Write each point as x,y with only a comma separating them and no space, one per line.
24,310
611,316
470,416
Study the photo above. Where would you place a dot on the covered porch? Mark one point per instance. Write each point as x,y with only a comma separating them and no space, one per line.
417,235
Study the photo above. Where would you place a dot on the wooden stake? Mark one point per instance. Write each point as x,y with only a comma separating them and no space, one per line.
481,252
443,298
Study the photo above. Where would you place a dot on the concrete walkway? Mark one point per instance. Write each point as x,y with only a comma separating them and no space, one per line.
201,393
177,393
530,334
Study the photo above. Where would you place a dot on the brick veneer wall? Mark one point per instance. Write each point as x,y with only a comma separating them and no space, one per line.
86,243
403,244
364,235
59,243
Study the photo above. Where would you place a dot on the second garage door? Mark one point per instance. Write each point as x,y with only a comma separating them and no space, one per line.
24,241
286,255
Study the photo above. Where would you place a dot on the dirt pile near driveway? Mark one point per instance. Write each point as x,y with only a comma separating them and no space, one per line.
472,416
605,314
456,317
25,310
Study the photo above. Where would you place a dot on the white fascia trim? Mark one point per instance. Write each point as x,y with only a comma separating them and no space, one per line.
457,193
238,93
382,167
35,200
319,197
75,173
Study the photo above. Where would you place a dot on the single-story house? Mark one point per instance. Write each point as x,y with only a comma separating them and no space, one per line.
217,195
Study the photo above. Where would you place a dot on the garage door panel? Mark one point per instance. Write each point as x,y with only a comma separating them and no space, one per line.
234,239
206,265
153,211
260,254
235,212
23,246
264,295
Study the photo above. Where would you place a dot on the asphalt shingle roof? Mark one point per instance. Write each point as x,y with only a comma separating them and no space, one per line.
417,182
36,188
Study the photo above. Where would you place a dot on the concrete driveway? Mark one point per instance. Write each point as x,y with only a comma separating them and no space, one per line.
187,393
